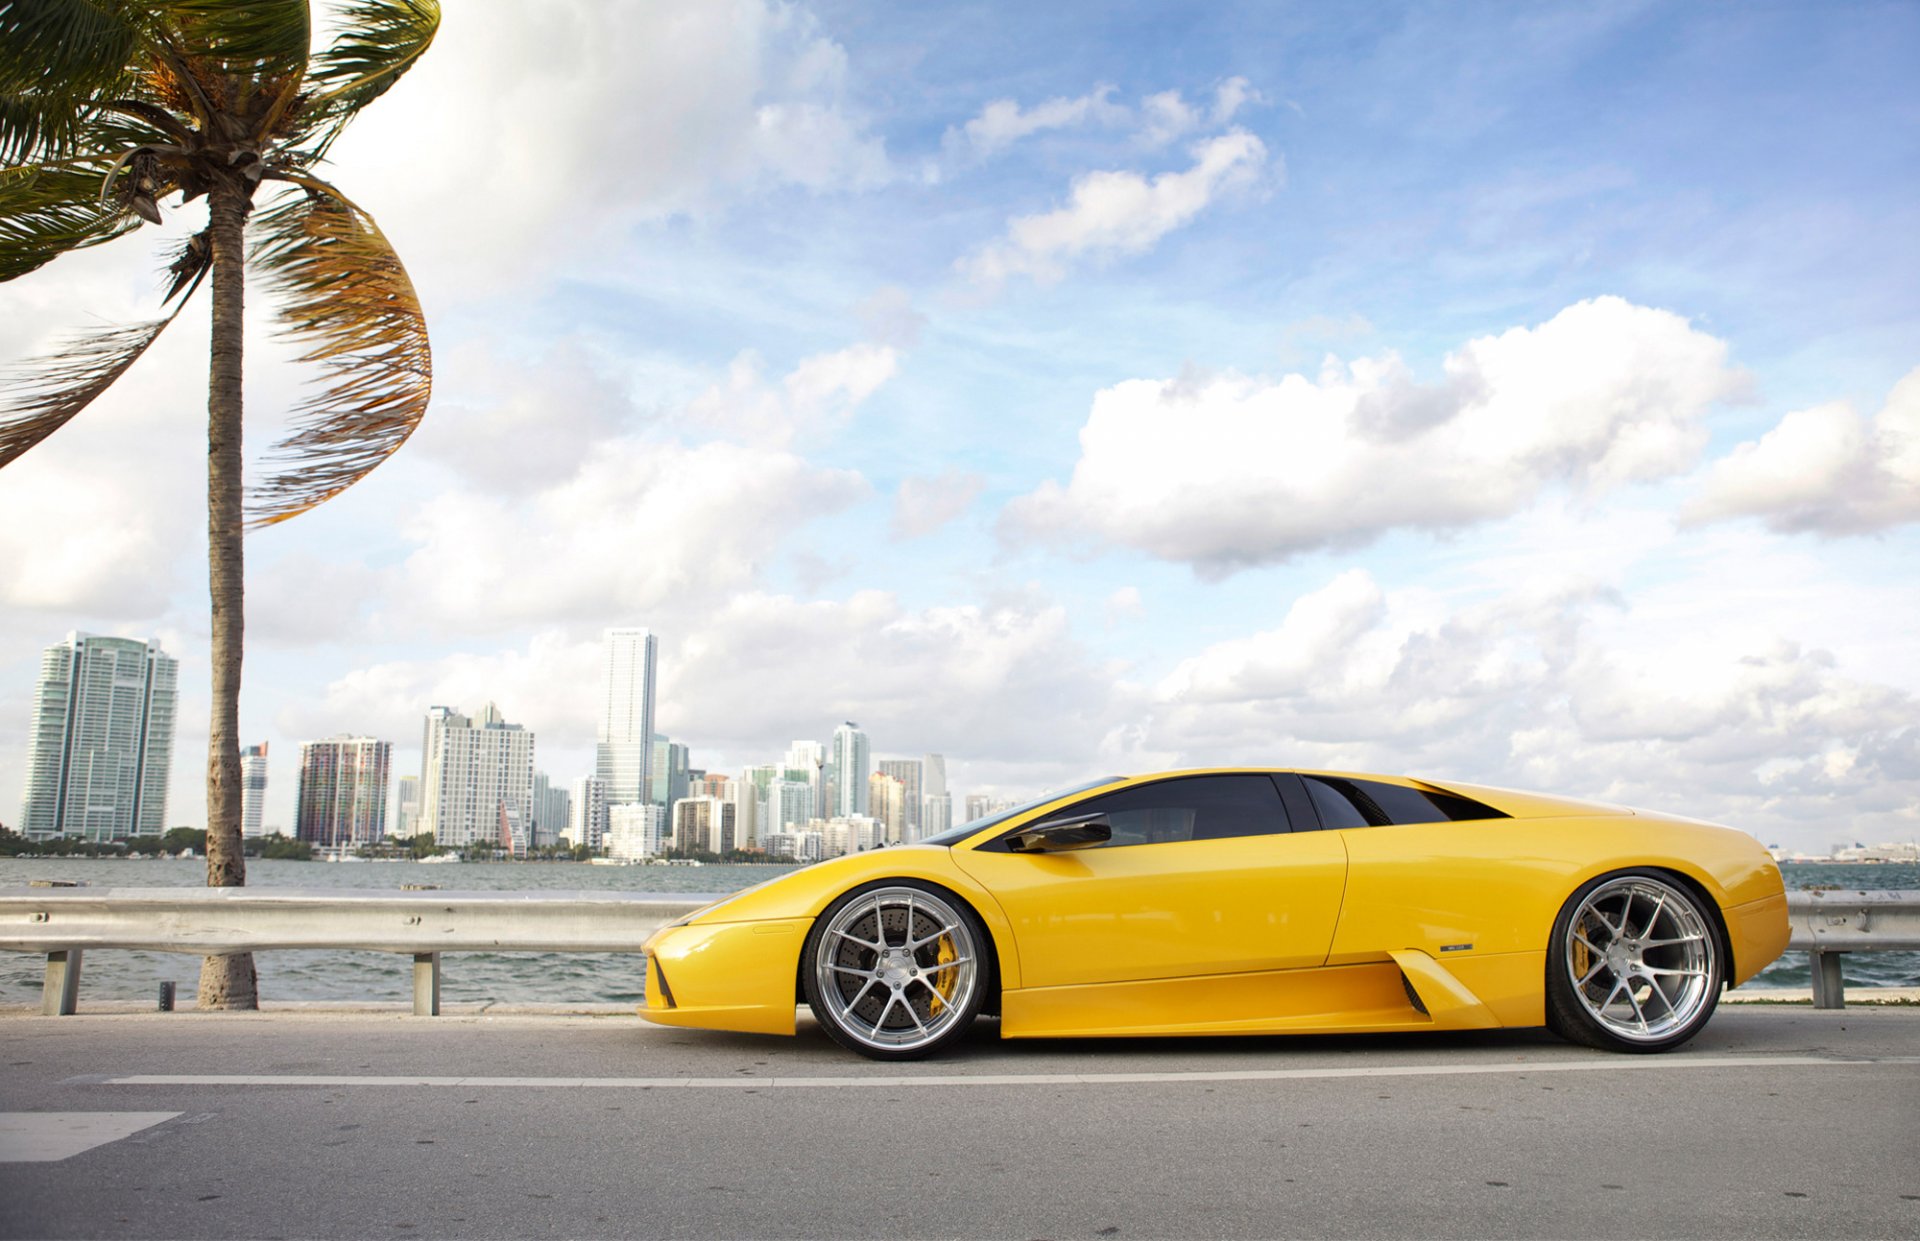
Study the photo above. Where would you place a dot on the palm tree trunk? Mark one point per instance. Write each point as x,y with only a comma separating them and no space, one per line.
226,981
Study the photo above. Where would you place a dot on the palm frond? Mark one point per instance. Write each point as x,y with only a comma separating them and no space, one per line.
257,39
45,212
55,57
382,40
72,46
344,295
43,394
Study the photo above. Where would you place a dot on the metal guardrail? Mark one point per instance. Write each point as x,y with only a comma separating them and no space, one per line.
1829,923
64,923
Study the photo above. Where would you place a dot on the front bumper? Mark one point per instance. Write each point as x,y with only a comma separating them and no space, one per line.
725,976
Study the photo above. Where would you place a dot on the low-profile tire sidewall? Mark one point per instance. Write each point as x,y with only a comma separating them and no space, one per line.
1568,1017
970,1009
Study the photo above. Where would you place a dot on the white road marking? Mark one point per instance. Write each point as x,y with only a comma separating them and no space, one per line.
1616,1064
48,1137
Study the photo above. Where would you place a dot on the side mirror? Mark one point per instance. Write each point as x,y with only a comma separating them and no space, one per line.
1081,831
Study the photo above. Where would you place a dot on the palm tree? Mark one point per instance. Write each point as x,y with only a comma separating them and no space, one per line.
108,108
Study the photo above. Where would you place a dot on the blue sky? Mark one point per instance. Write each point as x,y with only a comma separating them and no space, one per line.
1503,393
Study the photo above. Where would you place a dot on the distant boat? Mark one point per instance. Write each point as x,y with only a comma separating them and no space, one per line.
441,858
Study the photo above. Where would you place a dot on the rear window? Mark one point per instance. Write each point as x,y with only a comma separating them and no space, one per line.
1344,803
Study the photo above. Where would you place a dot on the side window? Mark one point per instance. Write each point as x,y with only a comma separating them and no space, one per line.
1193,808
1362,803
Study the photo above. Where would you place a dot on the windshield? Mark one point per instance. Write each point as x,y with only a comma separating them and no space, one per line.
954,835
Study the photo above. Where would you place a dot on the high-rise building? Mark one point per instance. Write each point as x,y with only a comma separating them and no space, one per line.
406,808
908,772
671,764
479,779
852,763
622,759
703,825
936,815
887,803
253,789
552,811
936,804
635,831
587,817
790,806
343,791
101,746
807,760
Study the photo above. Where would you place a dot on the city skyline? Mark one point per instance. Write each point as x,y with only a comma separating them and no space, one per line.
1512,394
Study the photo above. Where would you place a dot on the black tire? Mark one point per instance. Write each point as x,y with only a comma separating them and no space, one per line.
1635,964
872,969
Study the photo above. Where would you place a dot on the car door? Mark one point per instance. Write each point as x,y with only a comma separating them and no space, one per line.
1202,876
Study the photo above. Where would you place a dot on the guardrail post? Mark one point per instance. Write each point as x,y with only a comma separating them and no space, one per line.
1829,990
426,984
60,996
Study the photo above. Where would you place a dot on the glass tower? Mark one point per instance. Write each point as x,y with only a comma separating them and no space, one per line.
101,746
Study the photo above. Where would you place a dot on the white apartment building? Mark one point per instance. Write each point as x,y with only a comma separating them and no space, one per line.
477,784
587,817
635,831
253,789
100,748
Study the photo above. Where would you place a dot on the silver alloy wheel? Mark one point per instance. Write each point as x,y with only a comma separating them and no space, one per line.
1640,956
896,968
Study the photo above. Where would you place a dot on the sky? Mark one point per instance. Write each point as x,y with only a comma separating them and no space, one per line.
1525,395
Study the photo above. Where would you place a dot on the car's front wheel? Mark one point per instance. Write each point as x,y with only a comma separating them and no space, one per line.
895,970
1635,963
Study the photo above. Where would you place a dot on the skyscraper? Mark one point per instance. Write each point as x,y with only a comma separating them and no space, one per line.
936,805
343,791
253,788
672,762
101,748
623,758
479,779
852,765
908,772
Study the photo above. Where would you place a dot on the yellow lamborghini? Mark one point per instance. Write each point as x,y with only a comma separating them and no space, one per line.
1237,901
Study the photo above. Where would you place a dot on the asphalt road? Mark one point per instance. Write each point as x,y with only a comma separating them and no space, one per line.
1775,1123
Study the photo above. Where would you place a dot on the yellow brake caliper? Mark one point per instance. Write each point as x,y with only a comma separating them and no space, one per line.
942,979
1582,959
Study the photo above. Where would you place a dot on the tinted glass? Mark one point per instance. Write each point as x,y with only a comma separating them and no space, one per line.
1362,803
1194,808
954,835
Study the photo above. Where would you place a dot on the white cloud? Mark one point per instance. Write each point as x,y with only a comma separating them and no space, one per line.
1564,689
1004,122
530,134
1825,470
549,685
817,395
1230,471
1161,118
1117,213
924,504
1002,683
516,424
640,525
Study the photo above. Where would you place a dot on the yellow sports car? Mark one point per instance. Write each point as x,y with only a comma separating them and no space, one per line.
1237,901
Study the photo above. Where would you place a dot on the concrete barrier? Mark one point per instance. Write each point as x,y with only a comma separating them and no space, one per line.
65,923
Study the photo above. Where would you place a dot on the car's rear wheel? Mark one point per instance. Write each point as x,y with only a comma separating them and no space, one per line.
896,970
1635,963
